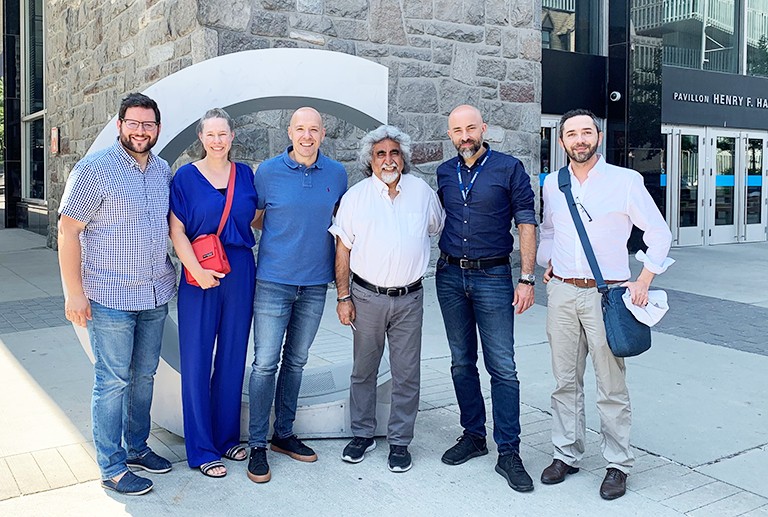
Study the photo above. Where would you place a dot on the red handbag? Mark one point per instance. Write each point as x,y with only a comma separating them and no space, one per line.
208,248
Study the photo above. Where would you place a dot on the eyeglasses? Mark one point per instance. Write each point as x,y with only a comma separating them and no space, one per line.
134,124
578,204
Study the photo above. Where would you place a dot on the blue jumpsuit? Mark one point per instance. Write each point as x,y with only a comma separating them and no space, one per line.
220,315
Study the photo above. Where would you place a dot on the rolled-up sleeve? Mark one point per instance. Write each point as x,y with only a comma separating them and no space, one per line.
521,196
546,231
436,215
342,226
644,214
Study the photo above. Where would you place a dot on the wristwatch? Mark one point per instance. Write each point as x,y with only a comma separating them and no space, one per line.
527,279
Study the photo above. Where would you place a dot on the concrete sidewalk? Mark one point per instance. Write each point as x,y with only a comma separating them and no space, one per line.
699,399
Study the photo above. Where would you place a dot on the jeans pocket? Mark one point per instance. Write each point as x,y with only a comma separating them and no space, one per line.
360,294
503,271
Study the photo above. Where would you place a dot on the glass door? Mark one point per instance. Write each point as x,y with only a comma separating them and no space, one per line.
686,185
724,181
753,191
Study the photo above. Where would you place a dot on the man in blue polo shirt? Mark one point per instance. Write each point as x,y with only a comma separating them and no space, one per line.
298,193
482,191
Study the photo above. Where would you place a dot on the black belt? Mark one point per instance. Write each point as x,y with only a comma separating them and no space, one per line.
476,263
389,291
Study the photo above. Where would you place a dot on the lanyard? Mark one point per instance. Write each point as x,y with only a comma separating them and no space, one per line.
465,190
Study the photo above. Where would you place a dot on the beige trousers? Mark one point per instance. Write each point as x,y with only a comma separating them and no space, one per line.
575,328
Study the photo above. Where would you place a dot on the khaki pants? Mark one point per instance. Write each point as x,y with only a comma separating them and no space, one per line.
575,328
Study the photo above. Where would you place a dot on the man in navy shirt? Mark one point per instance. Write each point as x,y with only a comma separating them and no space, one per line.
482,191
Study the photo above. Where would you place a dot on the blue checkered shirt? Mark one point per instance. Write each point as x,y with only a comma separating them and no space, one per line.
124,258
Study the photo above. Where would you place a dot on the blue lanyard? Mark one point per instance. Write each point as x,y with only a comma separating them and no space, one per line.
466,190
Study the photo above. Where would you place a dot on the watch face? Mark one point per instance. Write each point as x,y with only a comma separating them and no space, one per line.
528,277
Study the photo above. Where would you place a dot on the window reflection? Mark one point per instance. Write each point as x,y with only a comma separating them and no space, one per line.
571,25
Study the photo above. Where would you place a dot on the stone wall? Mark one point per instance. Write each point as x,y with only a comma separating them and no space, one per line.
440,53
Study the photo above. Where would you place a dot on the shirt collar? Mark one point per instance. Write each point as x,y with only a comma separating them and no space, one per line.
479,159
597,169
319,162
120,150
383,188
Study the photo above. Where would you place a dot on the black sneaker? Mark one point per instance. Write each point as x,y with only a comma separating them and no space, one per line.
258,468
510,466
355,450
294,448
399,458
468,447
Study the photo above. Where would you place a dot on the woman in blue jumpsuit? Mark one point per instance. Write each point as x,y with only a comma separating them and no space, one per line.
220,310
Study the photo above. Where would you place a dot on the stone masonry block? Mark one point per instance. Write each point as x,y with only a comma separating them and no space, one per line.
517,92
287,5
454,93
448,11
464,64
417,9
427,152
312,23
160,54
454,31
386,22
224,14
417,96
308,6
267,23
351,29
493,68
521,14
348,8
497,12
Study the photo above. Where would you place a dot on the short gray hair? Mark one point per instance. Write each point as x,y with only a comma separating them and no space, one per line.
384,133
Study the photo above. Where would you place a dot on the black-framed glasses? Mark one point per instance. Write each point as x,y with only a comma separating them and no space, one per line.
149,125
579,205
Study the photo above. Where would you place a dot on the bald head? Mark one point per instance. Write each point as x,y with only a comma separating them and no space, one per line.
306,132
466,129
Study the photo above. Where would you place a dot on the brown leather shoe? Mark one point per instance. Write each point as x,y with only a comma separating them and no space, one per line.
614,485
556,472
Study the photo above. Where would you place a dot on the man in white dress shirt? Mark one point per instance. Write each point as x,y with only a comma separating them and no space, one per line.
610,200
383,228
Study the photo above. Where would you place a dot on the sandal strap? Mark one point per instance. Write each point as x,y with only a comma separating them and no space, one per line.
234,451
206,467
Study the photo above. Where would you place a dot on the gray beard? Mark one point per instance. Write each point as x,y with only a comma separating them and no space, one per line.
389,177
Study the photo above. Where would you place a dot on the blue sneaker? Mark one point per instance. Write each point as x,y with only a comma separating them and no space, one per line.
150,462
129,484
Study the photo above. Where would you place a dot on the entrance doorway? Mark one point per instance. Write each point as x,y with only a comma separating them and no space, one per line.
716,189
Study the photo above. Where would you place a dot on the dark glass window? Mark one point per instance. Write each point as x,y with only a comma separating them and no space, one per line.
571,25
757,37
34,59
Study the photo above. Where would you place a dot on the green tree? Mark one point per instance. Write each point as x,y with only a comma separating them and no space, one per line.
757,58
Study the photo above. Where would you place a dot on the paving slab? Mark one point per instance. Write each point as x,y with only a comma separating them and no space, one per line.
731,506
743,470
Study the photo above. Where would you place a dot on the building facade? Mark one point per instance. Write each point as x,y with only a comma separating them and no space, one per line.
73,61
680,85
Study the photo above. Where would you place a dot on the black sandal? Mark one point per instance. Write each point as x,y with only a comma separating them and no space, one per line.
232,453
206,468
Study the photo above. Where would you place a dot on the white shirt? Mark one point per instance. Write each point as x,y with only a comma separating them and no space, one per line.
615,198
389,239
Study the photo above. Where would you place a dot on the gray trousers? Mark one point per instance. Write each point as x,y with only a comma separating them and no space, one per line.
399,318
575,328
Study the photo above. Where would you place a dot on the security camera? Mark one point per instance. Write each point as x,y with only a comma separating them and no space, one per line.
615,96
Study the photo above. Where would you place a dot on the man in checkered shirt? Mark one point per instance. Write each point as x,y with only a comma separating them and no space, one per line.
118,279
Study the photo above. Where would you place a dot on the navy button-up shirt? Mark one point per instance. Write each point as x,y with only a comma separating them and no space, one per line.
479,227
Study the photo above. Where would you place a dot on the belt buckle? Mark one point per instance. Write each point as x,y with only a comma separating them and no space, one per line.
391,290
464,263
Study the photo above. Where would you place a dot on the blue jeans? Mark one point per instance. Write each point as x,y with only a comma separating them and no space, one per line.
481,299
126,346
280,311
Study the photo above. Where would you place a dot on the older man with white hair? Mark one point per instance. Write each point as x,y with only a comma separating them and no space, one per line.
383,230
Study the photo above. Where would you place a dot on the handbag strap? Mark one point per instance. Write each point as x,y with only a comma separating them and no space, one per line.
230,195
564,184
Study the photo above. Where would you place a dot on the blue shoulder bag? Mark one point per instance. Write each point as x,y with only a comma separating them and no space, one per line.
626,336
